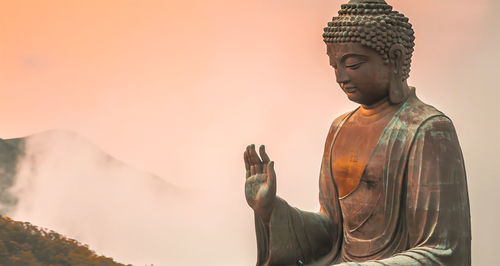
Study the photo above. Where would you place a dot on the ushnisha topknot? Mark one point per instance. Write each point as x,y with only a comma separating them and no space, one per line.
375,25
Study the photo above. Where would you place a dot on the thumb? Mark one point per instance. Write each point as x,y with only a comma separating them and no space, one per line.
271,174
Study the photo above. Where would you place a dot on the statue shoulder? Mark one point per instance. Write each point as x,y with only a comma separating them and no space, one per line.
415,113
337,122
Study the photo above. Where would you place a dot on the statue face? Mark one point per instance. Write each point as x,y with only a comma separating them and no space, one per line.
360,72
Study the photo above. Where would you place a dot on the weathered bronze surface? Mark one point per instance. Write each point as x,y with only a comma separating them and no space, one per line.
393,189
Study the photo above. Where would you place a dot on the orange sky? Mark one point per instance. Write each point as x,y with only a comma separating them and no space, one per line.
178,88
150,72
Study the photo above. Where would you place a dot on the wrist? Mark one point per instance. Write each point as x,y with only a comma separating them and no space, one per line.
266,211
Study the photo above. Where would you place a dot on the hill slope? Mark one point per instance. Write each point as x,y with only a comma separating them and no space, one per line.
26,244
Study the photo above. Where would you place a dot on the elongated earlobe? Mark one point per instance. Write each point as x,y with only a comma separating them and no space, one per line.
398,92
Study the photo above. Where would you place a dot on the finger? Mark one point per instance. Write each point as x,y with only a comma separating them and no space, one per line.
255,160
263,154
250,159
247,164
249,154
271,174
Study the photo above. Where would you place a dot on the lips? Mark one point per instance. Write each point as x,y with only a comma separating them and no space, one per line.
350,89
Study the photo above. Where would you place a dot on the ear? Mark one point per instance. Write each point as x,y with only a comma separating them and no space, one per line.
398,90
397,54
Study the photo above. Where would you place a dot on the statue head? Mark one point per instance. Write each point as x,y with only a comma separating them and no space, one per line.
373,29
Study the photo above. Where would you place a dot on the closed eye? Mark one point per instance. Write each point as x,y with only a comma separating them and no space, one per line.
355,66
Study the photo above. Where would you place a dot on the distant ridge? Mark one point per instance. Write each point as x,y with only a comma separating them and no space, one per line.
10,151
13,150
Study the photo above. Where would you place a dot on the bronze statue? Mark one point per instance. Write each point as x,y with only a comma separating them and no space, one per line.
393,189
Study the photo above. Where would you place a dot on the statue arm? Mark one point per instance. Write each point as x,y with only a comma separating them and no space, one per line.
311,237
292,235
437,206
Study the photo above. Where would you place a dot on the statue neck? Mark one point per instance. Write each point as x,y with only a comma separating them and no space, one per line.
379,108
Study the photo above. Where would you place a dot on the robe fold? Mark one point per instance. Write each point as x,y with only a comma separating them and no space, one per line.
410,207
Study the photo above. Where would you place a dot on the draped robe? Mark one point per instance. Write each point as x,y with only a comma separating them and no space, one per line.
410,207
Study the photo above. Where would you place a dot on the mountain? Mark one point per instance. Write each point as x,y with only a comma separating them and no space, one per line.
26,244
10,151
71,151
59,180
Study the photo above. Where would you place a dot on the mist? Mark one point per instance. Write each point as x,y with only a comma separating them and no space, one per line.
67,185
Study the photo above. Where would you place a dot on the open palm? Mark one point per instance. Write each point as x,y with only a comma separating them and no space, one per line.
260,184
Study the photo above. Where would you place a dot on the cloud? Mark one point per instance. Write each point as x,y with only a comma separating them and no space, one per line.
66,184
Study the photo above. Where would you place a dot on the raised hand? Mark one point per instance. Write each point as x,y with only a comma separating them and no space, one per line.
260,184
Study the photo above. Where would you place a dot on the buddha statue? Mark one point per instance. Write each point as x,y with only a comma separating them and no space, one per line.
393,188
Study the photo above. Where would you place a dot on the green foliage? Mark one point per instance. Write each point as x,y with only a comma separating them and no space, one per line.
26,244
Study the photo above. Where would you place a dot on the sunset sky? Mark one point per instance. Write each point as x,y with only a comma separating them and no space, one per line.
179,88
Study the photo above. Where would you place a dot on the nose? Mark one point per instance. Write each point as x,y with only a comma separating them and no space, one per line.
341,76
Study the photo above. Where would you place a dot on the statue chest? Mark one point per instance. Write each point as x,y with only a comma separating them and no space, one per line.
352,152
358,169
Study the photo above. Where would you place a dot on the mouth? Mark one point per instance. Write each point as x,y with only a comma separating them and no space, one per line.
350,89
